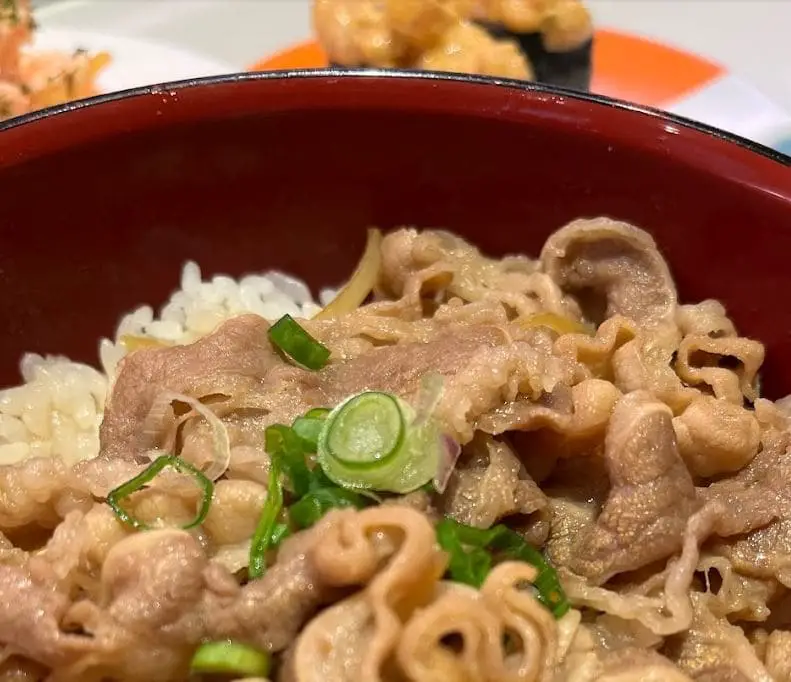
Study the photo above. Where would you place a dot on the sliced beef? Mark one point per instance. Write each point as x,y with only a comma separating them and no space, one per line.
651,498
490,485
777,657
30,617
482,366
269,612
616,270
41,491
588,661
232,362
638,665
29,492
754,528
566,422
713,649
149,620
708,317
19,669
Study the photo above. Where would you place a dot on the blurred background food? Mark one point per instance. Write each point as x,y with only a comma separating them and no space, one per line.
32,79
545,40
717,61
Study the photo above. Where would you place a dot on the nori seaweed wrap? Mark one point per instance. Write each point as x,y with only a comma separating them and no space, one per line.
567,68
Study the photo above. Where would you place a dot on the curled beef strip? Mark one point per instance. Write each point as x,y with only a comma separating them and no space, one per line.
391,552
707,317
617,260
652,495
596,353
270,611
736,596
431,262
160,596
702,360
716,436
618,269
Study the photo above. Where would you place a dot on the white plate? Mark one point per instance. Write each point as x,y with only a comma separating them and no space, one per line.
134,62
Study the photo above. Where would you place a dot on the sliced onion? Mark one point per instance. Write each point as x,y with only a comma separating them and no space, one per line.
450,452
362,281
159,415
132,342
558,324
233,557
431,387
221,450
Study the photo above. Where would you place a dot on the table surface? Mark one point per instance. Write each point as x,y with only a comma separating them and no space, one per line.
752,38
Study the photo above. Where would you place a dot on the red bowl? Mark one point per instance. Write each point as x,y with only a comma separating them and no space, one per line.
103,200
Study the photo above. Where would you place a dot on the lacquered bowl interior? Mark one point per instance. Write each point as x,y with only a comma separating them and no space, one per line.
102,204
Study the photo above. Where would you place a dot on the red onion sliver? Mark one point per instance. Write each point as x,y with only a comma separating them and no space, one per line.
449,455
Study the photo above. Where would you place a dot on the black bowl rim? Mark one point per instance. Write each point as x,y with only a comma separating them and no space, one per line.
343,72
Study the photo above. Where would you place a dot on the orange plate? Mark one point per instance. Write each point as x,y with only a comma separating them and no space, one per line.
624,66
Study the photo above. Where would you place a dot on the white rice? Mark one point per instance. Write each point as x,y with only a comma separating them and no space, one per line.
56,412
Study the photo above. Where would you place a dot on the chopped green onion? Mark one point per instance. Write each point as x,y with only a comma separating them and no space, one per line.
309,427
467,546
279,533
146,476
230,658
311,508
285,446
371,442
295,342
263,539
547,582
318,413
367,494
367,429
315,493
468,564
